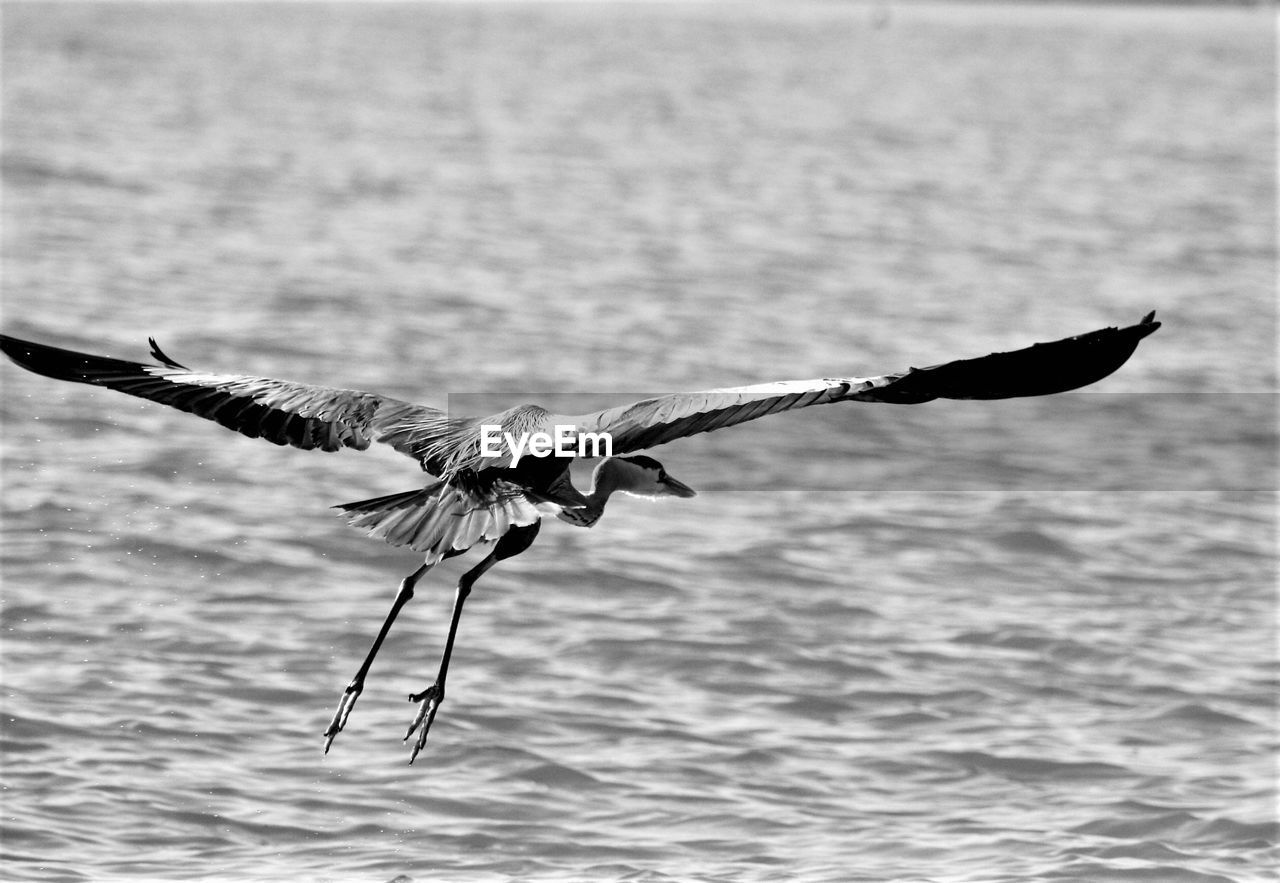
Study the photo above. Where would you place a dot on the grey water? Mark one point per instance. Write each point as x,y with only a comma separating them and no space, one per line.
1004,641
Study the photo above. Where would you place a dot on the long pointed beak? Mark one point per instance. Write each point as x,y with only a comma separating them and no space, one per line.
678,488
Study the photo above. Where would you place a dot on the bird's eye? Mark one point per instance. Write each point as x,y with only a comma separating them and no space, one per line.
662,475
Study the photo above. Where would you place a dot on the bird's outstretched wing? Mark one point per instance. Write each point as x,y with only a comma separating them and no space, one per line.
1040,369
280,411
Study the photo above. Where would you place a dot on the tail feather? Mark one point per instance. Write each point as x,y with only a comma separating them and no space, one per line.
441,519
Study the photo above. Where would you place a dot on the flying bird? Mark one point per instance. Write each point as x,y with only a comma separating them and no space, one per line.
496,500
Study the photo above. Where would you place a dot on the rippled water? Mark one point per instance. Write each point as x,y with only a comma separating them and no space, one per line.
1018,641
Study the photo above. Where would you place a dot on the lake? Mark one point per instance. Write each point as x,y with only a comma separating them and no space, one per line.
1005,641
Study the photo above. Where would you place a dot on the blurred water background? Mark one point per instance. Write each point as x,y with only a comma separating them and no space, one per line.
1019,641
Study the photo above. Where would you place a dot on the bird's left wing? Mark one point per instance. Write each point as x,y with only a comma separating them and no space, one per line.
1040,369
280,411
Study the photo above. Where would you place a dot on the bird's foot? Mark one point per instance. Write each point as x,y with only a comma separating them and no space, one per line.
349,697
428,703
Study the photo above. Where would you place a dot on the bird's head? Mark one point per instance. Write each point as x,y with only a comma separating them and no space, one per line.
641,476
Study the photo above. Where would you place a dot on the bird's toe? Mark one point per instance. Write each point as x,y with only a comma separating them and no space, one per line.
348,701
428,703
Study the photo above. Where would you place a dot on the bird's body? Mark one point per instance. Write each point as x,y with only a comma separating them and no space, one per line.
479,497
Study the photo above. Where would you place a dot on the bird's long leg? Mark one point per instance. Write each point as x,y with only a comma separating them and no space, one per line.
429,699
352,693
512,543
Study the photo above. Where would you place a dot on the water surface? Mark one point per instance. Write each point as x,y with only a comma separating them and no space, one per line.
1025,641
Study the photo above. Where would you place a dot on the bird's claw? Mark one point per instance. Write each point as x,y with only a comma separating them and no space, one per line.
348,702
428,703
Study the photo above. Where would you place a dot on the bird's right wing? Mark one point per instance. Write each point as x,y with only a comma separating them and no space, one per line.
280,411
1040,369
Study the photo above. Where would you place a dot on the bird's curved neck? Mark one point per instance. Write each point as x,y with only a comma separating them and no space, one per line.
604,482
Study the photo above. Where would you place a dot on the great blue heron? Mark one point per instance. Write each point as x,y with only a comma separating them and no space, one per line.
480,496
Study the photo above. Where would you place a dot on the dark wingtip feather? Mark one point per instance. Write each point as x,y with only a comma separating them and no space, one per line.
52,361
157,353
1040,369
1147,326
14,347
